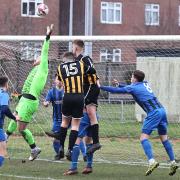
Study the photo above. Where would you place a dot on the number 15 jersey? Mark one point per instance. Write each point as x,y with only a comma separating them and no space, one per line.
71,74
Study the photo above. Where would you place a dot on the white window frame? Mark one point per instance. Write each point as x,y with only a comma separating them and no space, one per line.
30,50
117,7
152,10
28,1
106,54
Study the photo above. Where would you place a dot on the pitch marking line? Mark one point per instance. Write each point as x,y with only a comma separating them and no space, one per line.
28,177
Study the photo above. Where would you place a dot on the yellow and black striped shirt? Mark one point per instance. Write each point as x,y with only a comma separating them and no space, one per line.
71,74
89,78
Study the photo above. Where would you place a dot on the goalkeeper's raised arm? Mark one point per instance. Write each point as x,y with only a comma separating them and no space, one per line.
29,101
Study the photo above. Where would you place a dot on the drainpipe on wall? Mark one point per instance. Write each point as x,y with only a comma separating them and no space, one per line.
88,25
70,23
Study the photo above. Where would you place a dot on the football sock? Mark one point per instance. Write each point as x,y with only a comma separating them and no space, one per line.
11,127
63,133
169,149
147,148
72,139
82,148
95,133
56,146
1,160
89,157
75,156
28,138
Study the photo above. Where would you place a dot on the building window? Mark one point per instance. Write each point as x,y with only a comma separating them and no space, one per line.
111,13
30,50
29,7
152,14
110,55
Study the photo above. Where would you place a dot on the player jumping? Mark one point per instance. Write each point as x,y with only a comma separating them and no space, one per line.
29,101
71,73
156,118
91,93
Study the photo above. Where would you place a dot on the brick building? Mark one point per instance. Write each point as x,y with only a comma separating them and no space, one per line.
92,17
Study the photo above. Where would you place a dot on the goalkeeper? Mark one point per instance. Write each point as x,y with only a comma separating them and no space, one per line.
156,118
29,101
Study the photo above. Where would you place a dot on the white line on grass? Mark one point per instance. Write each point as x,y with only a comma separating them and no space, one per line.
28,177
100,161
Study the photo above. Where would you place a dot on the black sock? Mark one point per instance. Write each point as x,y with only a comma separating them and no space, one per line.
8,133
95,133
63,133
72,139
32,146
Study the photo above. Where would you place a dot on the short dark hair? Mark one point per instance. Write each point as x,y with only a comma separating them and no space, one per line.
79,43
139,75
68,55
3,81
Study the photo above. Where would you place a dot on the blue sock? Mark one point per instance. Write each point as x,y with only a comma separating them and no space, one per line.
56,146
75,156
89,157
169,149
1,160
147,148
82,148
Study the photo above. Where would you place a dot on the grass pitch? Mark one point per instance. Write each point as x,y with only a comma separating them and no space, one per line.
120,144
15,170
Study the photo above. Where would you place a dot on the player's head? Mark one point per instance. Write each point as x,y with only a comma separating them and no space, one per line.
4,82
68,57
137,76
57,82
77,46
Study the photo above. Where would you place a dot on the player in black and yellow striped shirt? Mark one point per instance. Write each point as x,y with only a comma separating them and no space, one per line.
91,93
71,73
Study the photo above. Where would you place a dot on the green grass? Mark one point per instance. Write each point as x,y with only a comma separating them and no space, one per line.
39,169
120,140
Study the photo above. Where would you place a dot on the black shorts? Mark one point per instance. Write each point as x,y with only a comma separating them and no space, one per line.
72,105
91,93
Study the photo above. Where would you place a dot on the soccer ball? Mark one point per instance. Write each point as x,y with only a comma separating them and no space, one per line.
42,10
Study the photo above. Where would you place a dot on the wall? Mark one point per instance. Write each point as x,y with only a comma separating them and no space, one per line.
163,76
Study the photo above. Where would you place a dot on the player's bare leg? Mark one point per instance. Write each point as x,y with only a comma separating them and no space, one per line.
91,111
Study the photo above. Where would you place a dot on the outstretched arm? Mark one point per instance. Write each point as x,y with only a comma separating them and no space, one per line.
123,90
45,48
41,75
113,89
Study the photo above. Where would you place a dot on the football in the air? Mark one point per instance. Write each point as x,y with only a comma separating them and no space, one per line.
42,10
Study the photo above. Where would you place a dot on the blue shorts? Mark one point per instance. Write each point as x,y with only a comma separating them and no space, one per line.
84,130
156,119
56,126
2,135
